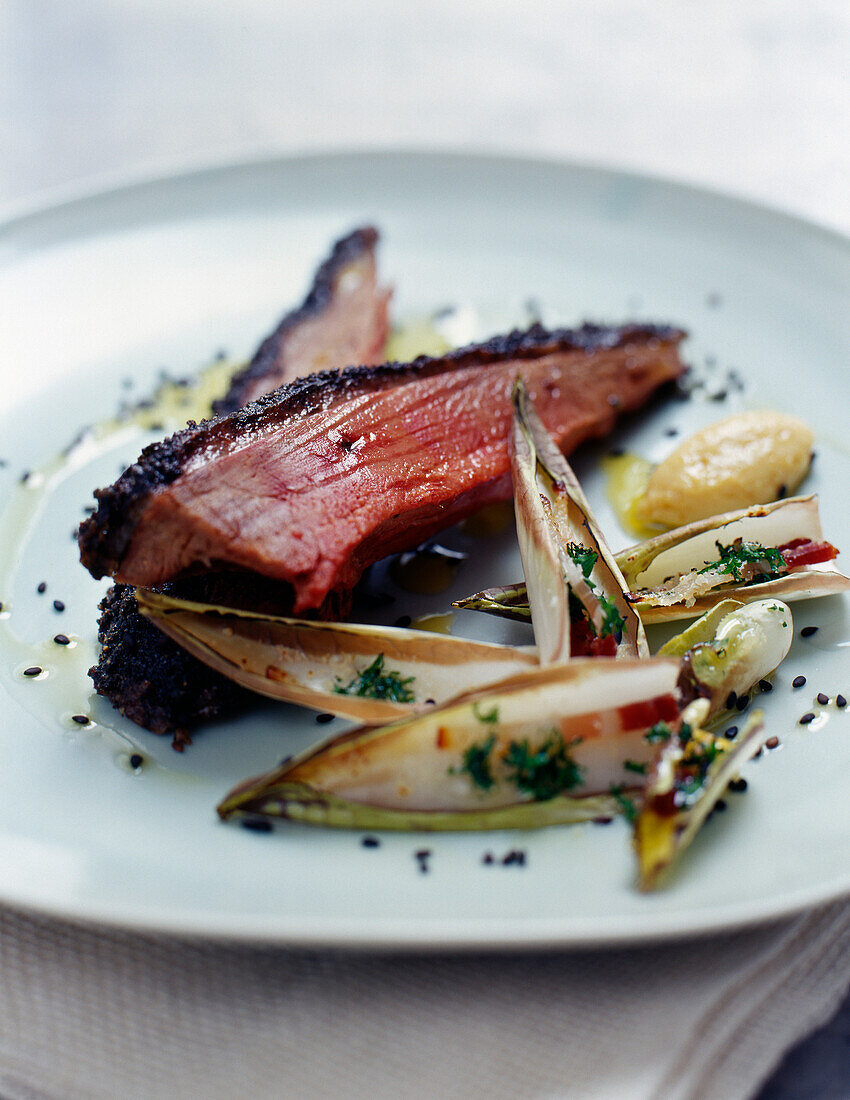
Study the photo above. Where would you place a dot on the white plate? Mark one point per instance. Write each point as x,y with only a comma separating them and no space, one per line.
114,287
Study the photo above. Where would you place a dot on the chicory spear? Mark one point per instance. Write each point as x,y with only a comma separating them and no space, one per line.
685,572
576,592
366,673
691,772
553,746
730,649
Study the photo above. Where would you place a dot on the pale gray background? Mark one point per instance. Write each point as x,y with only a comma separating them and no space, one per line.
750,96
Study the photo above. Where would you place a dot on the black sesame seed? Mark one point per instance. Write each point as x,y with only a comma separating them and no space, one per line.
33,670
1,606
430,702
731,700
743,702
808,717
765,686
370,842
323,719
256,824
61,639
80,719
720,805
25,476
822,699
136,760
487,859
840,701
42,587
738,785
781,492
808,631
58,605
772,743
403,620
422,856
731,733
798,682
721,395
285,760
671,432
602,820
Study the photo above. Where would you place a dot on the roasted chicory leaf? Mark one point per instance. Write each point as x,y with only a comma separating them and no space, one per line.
745,645
530,752
366,673
576,592
692,770
685,572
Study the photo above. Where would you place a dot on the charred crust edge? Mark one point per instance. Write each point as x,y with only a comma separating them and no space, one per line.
344,252
104,536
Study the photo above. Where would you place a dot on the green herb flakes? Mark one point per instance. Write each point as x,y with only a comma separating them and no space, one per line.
627,805
544,772
476,764
659,732
748,562
375,683
584,558
490,717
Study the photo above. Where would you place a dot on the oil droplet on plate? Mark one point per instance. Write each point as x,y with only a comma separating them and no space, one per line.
437,624
627,476
493,519
427,571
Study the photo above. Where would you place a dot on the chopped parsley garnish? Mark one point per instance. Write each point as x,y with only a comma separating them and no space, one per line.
584,558
635,766
476,763
628,807
490,717
612,621
659,732
544,772
374,683
749,562
541,773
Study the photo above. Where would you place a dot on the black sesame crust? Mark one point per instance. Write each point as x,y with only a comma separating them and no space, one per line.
155,683
105,535
152,681
265,362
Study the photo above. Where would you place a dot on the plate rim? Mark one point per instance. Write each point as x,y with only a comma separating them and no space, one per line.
53,201
402,933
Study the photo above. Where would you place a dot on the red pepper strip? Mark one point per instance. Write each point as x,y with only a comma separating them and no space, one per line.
663,708
584,643
806,552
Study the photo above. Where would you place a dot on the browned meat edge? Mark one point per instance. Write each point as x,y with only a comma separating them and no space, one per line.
265,361
104,536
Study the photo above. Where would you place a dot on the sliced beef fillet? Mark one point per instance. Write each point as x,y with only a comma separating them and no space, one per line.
342,320
145,675
314,482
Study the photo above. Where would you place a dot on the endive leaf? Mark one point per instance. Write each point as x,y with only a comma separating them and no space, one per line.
547,738
665,560
508,601
569,568
366,673
748,644
692,771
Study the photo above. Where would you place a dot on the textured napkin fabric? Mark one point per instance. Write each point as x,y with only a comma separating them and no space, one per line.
94,1014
